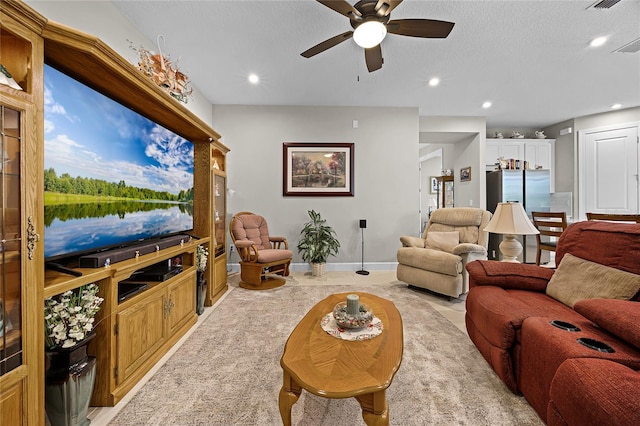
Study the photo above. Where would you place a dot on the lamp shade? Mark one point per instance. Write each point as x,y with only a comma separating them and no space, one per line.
369,34
511,219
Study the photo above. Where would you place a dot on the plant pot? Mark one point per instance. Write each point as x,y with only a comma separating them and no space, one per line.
69,381
318,269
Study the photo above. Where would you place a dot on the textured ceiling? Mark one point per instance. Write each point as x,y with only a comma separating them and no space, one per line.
529,58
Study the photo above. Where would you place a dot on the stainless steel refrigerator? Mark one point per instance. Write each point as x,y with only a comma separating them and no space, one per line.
531,188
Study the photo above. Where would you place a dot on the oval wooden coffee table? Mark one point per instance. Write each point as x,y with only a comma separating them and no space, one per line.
334,368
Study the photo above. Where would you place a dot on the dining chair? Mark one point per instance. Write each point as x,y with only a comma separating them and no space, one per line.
614,217
551,225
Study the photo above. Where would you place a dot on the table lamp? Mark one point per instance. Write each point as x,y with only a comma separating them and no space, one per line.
510,219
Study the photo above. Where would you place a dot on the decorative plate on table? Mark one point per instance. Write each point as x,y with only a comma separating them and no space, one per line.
330,325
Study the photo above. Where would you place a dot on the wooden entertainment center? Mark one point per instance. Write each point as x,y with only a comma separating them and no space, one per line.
134,333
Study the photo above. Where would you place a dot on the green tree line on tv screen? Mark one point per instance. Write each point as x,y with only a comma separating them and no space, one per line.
66,184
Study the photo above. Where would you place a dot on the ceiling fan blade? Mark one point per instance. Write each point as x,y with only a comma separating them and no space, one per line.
341,6
384,7
373,58
425,28
327,44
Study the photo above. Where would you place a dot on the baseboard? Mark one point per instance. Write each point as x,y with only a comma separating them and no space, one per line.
336,267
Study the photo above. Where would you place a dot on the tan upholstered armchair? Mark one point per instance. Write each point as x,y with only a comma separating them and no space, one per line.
261,256
436,261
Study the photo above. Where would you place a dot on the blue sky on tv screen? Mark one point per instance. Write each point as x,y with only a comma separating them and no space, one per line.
89,135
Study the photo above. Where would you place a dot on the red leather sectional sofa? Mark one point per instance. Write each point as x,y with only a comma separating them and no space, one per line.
509,319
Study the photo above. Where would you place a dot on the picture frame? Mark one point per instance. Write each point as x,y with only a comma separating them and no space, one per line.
465,174
433,189
317,169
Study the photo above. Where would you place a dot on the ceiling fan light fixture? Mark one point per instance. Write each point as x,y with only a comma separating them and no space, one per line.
369,34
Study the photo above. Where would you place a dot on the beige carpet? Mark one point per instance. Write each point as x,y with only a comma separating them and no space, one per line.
228,373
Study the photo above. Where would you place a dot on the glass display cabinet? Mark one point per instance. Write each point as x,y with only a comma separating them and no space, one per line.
220,213
10,255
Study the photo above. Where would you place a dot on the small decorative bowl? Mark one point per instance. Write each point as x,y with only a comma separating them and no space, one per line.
345,320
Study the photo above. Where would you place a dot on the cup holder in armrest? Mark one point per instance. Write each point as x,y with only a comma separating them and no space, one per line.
596,345
565,325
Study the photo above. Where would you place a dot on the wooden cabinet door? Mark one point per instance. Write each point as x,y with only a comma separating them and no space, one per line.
220,274
182,302
141,331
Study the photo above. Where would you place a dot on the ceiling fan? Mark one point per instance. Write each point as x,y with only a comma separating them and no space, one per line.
371,21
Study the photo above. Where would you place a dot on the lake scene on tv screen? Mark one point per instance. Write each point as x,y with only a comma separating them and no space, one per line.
111,175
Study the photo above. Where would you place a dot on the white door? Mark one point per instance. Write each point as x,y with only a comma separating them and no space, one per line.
611,171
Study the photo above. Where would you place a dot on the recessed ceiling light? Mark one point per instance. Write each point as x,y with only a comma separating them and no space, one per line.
486,105
434,81
616,106
253,79
599,41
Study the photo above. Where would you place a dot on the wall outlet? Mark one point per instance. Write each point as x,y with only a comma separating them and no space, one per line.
470,203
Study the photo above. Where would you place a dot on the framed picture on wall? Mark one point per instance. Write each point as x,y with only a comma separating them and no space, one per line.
317,169
465,174
433,189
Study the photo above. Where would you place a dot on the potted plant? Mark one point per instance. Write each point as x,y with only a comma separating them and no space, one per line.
318,242
202,254
70,373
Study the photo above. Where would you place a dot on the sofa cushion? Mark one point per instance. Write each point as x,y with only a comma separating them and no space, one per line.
444,241
577,279
619,317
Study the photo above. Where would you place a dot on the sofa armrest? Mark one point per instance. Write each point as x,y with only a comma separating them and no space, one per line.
247,250
410,241
468,248
279,242
595,392
508,275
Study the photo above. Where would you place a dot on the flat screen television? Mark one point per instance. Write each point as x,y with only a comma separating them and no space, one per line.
112,177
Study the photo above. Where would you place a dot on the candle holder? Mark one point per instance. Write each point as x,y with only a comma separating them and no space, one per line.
352,314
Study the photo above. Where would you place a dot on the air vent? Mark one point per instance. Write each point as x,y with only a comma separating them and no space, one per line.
633,47
604,4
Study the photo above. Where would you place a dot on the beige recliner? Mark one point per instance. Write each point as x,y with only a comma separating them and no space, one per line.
436,261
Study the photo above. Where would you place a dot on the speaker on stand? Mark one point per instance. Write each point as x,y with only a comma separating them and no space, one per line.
363,224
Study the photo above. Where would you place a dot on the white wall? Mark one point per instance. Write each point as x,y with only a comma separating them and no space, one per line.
386,174
101,19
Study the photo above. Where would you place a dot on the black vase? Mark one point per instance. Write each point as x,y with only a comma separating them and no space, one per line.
201,293
69,380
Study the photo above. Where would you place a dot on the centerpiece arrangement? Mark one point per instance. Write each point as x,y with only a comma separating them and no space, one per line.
352,320
352,314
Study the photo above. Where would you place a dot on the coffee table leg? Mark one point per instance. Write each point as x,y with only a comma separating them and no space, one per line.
375,410
289,394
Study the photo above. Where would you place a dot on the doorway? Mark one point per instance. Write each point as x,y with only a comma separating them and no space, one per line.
430,166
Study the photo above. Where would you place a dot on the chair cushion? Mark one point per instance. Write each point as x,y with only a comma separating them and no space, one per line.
444,241
430,260
251,227
465,220
273,255
577,279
